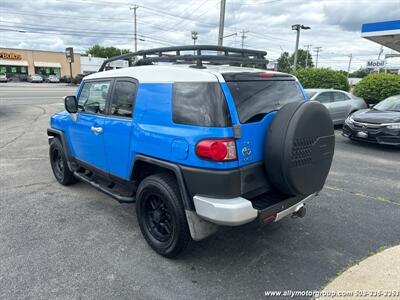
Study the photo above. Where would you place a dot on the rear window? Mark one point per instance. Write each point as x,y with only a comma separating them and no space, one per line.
255,98
200,104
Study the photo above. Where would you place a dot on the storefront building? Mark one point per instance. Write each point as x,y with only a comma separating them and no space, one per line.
20,63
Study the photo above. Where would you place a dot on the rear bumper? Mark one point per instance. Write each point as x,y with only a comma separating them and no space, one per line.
247,181
238,211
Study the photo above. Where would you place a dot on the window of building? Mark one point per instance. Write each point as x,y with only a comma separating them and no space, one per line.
123,98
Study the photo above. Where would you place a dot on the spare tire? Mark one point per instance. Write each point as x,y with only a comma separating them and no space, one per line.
299,148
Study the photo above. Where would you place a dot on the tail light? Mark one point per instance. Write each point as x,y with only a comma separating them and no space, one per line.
217,149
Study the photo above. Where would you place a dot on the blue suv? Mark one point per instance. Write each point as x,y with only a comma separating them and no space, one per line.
195,141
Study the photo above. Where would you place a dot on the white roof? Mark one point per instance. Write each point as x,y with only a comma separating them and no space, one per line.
163,73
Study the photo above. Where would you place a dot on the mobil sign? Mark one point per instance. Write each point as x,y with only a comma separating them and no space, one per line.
375,64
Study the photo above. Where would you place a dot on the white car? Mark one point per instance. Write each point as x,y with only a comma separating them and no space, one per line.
3,77
52,79
35,78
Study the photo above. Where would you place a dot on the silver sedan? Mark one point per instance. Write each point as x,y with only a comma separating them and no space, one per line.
339,103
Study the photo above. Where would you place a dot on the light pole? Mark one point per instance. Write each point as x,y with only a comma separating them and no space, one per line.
298,27
194,37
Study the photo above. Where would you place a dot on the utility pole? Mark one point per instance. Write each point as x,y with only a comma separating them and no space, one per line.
308,53
297,27
134,8
243,32
318,50
221,23
348,69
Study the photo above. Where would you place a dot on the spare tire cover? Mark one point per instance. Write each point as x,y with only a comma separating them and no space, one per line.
299,148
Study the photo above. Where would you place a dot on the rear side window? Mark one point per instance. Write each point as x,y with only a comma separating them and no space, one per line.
324,97
200,104
255,98
337,97
122,98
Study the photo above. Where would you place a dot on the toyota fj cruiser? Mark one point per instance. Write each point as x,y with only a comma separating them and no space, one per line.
194,141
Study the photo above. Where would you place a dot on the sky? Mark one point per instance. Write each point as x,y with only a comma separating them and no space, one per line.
335,25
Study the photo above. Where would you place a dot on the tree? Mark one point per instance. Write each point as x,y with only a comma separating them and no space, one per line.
286,61
322,78
105,52
360,73
302,58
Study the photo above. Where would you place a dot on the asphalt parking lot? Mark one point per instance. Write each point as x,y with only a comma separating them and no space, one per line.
74,242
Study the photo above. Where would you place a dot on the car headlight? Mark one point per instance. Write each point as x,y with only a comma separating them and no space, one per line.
349,120
393,126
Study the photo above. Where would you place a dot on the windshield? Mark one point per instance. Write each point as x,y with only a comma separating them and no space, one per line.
391,103
255,98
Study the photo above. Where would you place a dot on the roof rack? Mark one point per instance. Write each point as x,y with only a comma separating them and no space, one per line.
225,55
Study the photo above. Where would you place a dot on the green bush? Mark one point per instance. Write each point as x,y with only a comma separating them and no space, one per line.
376,87
322,78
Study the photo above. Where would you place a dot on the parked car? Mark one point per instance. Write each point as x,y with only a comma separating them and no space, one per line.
188,142
3,77
53,79
339,103
379,124
35,78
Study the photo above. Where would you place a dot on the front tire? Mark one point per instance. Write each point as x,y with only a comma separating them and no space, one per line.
59,164
161,215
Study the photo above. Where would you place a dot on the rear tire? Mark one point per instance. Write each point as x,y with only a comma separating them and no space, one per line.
59,164
161,215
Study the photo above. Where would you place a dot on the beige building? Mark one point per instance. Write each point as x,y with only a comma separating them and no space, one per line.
19,62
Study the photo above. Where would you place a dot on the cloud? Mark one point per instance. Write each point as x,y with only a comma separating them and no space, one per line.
350,15
55,25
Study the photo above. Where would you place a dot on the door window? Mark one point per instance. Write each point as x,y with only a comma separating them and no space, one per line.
123,98
324,98
338,97
93,97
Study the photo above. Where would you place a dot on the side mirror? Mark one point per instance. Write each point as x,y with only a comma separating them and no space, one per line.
71,104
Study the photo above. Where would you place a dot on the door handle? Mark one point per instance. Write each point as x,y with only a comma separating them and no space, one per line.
96,130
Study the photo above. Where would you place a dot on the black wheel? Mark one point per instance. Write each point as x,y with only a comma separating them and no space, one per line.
59,163
161,215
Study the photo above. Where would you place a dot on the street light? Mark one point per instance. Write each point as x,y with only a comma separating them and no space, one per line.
298,27
194,37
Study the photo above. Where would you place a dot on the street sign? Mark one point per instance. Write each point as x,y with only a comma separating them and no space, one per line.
372,64
69,53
